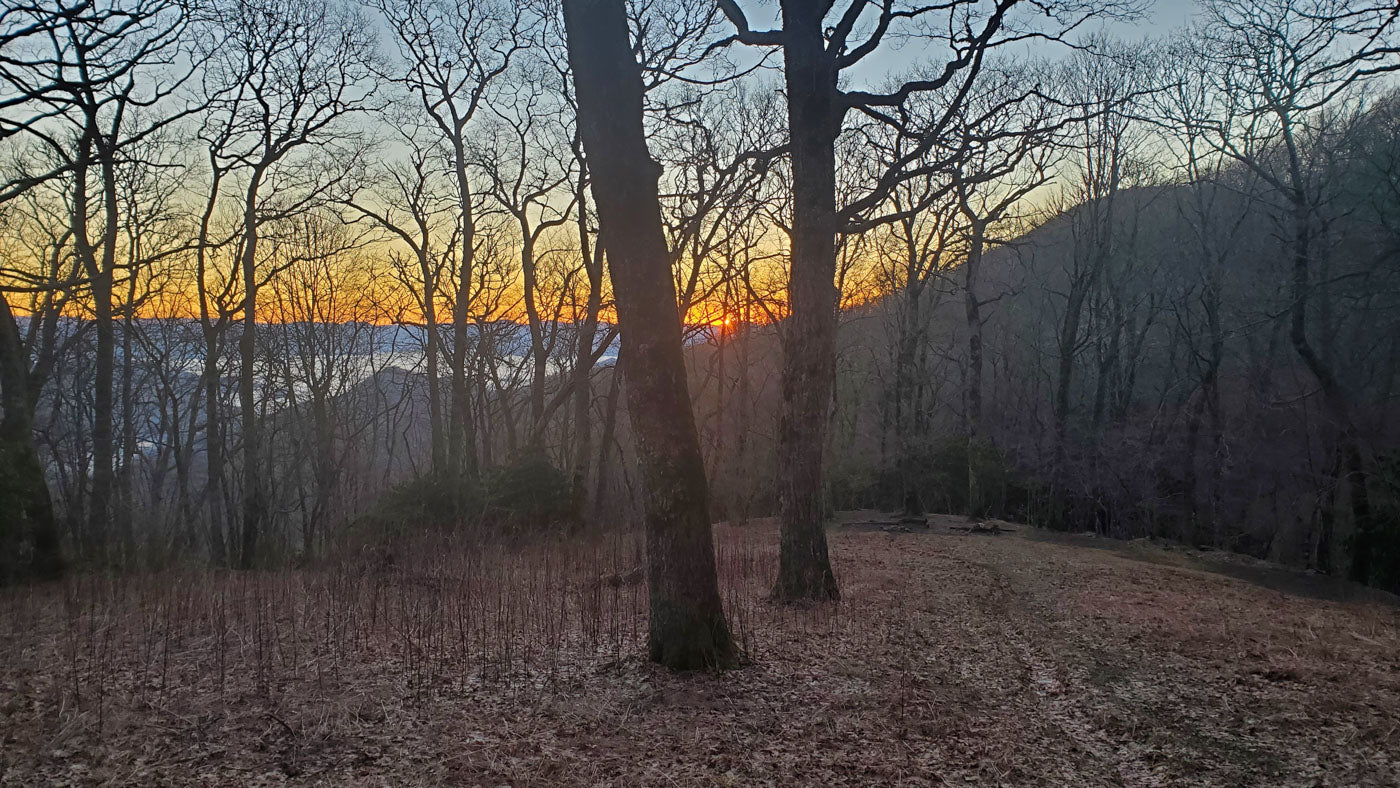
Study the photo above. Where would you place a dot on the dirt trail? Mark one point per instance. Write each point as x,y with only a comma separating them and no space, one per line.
954,658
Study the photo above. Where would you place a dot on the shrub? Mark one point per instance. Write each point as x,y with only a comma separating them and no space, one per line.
1385,533
528,492
526,495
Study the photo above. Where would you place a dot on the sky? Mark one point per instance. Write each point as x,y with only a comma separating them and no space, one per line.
1160,18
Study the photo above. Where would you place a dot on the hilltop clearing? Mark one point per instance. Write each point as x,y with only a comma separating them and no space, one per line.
1020,658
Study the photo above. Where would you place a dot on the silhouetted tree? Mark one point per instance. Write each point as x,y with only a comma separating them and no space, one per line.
688,629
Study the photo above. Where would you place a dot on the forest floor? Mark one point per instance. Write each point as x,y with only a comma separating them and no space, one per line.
1024,658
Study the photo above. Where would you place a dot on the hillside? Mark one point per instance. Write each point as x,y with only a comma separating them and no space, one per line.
1024,658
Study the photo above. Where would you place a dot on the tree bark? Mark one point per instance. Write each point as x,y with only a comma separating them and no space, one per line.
804,568
27,525
688,629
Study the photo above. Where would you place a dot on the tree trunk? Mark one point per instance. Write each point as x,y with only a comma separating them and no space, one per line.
27,525
907,435
688,630
539,356
214,494
583,369
1068,346
972,308
126,514
462,442
809,363
253,505
100,278
430,331
213,431
606,442
103,443
1351,464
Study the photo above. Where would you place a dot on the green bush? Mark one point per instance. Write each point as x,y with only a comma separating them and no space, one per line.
525,495
528,491
423,504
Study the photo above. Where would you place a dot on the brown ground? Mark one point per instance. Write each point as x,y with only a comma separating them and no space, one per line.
1018,659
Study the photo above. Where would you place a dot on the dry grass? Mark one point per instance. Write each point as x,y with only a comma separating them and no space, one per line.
953,658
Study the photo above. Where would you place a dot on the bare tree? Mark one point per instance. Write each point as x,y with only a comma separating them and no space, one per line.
688,629
286,76
815,55
454,51
426,224
1280,66
98,91
528,161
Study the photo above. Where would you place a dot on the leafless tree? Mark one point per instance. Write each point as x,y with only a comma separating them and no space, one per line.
454,51
688,628
815,55
285,78
1280,68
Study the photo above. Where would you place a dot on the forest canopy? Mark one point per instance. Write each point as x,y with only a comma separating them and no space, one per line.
285,278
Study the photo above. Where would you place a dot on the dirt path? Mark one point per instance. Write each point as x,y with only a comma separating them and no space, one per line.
953,659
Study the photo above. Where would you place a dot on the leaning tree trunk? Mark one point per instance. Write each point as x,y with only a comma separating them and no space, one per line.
688,630
809,365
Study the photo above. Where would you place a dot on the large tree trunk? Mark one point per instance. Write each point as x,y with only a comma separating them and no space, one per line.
688,630
100,278
27,526
809,365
